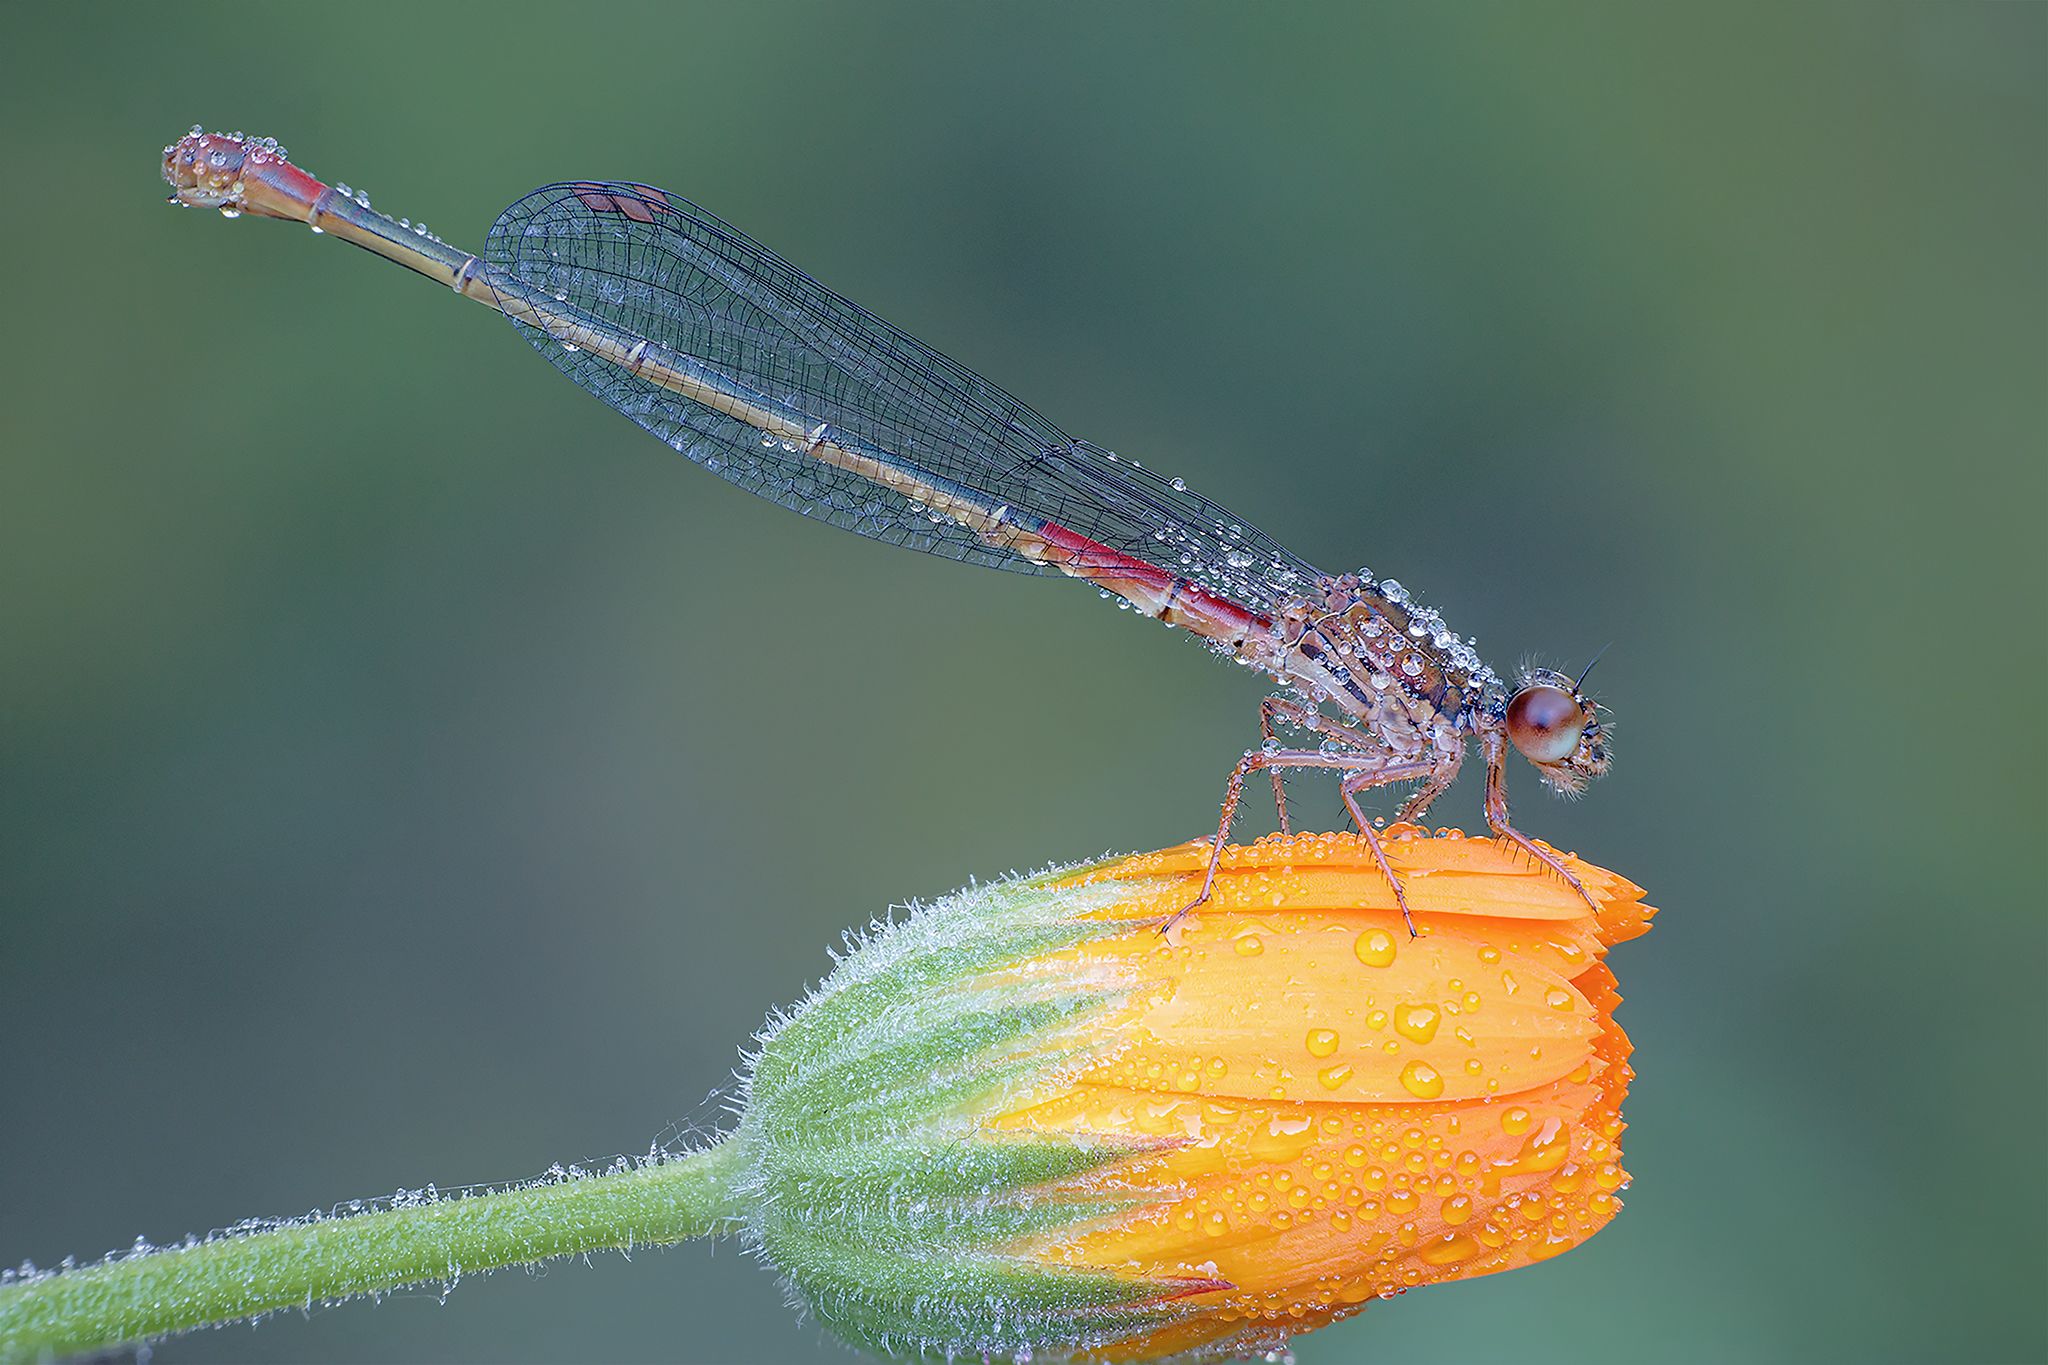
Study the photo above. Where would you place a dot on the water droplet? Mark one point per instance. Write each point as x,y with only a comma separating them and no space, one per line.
1558,998
1515,1120
1416,1022
1457,1209
1249,945
1450,1249
1322,1042
1333,1077
1375,948
1422,1080
1181,486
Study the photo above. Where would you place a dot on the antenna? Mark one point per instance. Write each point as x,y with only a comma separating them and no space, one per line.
1598,654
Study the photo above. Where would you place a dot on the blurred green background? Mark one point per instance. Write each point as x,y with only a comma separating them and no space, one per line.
411,772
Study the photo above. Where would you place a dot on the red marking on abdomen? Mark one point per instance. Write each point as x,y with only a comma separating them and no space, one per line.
1195,604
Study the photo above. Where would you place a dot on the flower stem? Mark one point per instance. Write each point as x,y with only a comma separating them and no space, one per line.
298,1264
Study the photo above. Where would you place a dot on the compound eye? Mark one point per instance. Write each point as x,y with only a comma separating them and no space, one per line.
1545,723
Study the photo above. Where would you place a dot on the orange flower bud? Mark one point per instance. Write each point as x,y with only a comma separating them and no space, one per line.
1256,1124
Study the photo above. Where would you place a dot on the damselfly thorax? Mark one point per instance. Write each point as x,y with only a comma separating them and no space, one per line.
756,372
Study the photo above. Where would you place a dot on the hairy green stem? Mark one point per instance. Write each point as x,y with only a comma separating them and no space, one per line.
297,1264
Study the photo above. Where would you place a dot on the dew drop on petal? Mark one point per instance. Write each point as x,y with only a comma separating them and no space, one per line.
1322,1042
1375,948
1416,1022
1450,1249
1422,1080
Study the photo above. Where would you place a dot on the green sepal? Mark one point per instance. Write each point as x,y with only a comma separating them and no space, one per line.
881,1192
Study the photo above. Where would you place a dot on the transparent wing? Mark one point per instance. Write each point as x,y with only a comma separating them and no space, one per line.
656,267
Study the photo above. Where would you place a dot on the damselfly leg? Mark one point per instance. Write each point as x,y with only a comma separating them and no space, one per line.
1288,711
1361,771
1497,818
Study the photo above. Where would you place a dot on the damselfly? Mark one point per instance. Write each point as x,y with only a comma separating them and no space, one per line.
760,374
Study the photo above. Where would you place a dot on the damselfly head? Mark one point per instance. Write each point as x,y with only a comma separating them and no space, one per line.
1557,727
